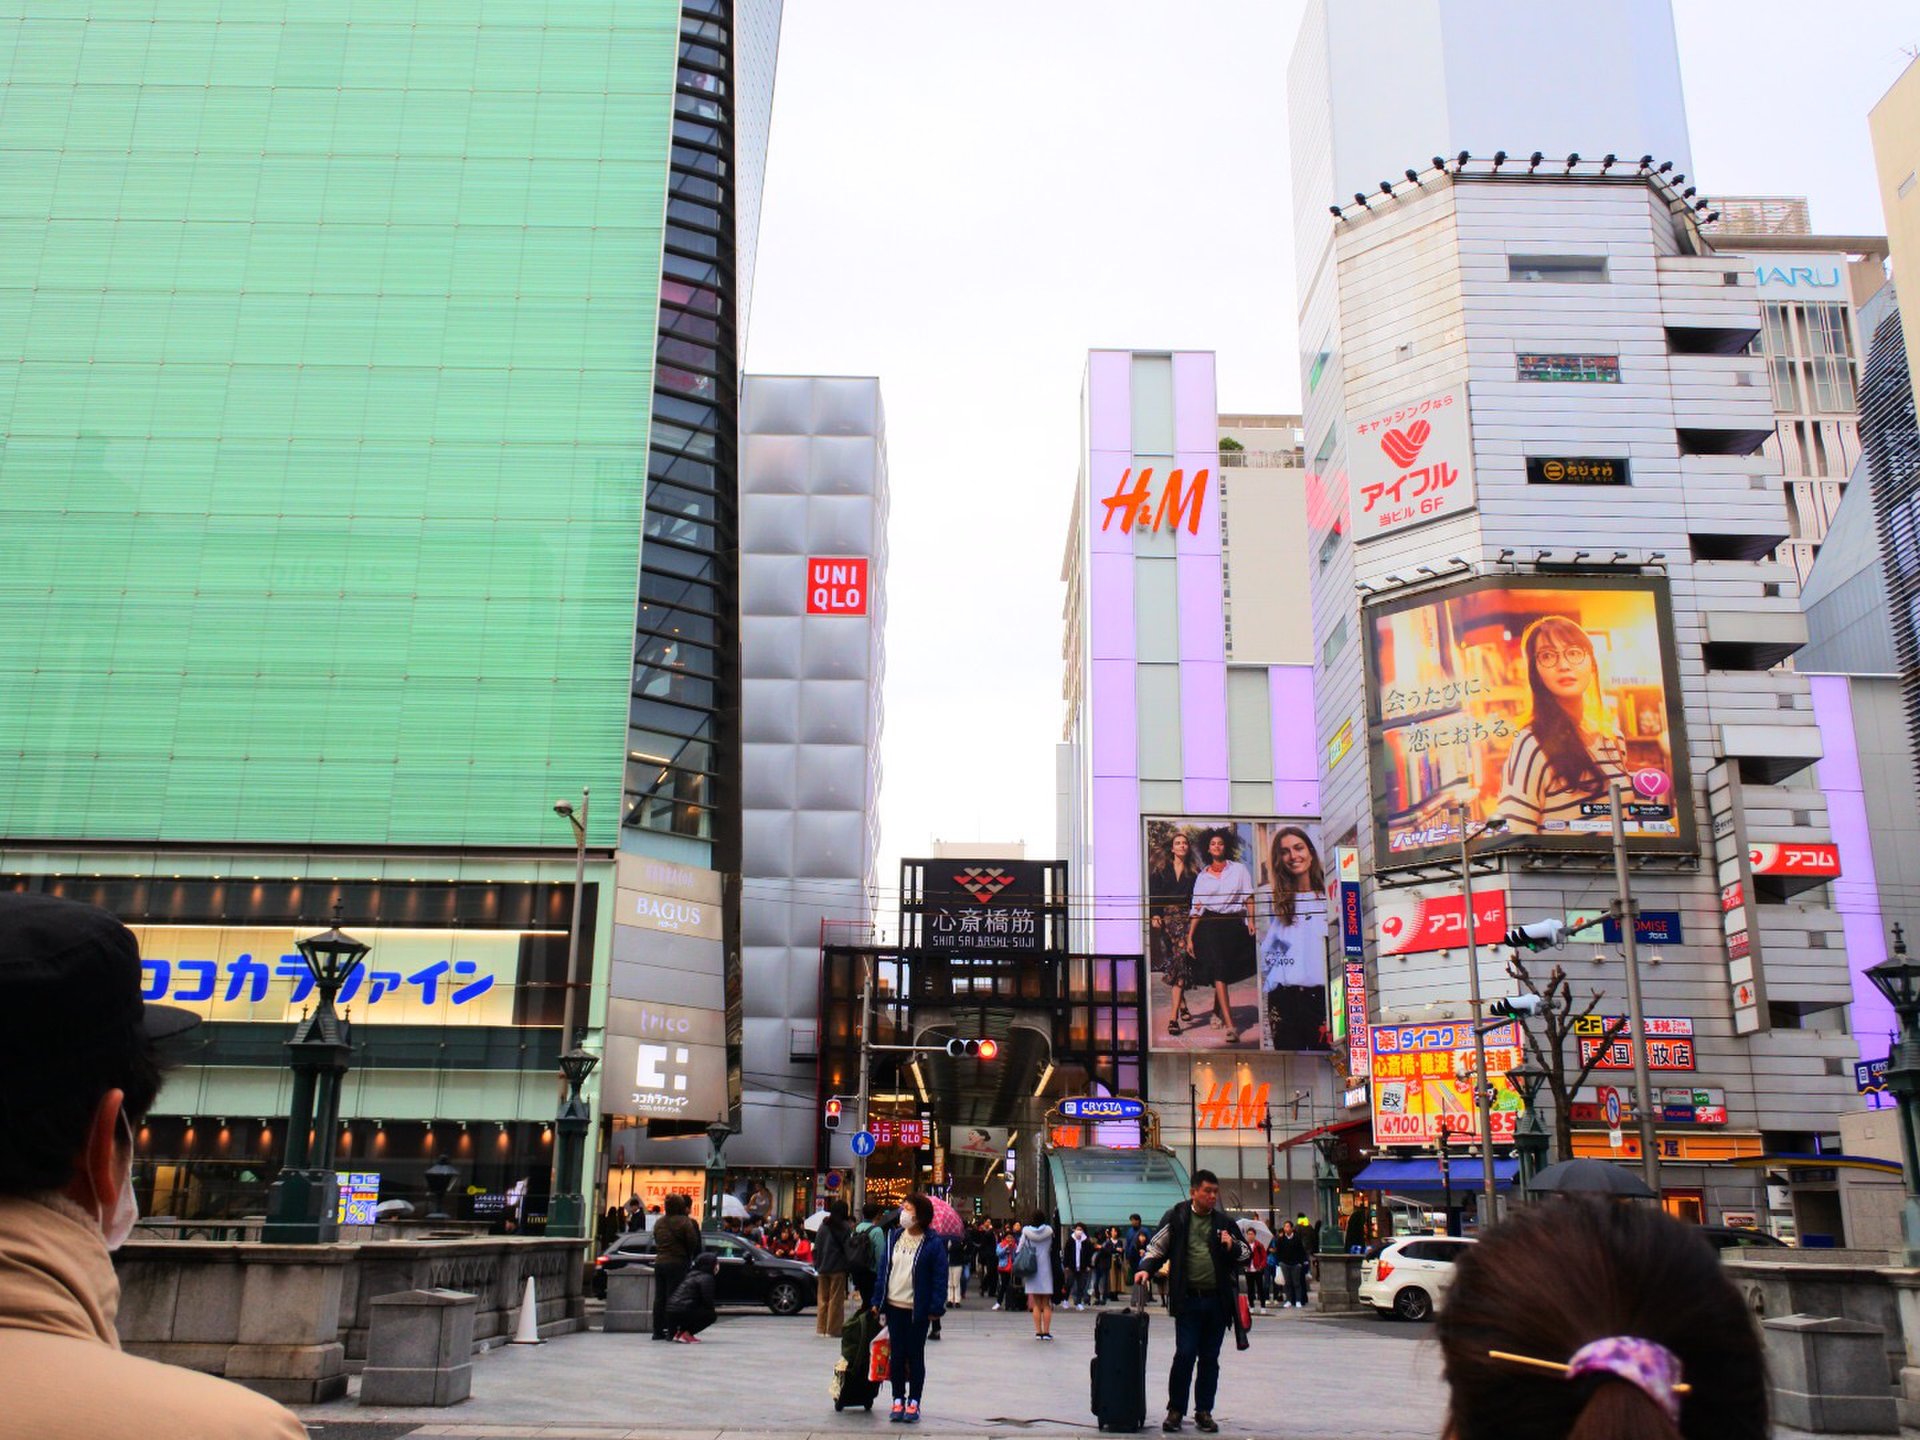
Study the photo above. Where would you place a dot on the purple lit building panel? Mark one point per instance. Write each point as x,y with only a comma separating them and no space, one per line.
1857,892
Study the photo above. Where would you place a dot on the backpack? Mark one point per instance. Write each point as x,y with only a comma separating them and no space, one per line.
1026,1260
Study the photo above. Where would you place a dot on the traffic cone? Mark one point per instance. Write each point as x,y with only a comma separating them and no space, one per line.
527,1332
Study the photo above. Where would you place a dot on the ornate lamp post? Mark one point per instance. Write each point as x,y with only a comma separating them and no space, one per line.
718,1134
566,1210
1326,1180
1530,1135
1898,978
304,1202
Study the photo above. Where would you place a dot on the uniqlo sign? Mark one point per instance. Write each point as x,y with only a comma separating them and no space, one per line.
836,585
1411,464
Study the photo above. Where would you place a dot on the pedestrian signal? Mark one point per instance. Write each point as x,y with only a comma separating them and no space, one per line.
833,1113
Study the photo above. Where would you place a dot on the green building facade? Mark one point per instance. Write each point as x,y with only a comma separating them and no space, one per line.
327,360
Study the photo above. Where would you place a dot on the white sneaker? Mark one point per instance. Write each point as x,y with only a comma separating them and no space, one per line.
996,1304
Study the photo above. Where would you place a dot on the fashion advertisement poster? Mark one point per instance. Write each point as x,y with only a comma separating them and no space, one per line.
1238,933
1522,700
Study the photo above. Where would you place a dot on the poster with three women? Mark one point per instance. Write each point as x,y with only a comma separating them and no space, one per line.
1523,700
1238,929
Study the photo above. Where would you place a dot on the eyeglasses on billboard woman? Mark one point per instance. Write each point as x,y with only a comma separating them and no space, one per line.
1293,952
1568,754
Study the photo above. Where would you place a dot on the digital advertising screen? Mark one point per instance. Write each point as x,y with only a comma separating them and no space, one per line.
1238,933
1521,699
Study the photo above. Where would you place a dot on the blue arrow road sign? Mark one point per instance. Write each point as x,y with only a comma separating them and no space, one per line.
863,1142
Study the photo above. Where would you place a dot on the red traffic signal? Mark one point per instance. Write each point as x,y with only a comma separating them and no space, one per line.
973,1049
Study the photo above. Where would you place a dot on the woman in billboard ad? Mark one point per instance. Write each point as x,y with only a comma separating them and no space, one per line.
1522,701
1251,909
1568,754
1293,949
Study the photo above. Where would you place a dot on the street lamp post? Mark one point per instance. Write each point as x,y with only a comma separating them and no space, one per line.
1482,1082
566,1206
1530,1135
718,1134
303,1203
1898,978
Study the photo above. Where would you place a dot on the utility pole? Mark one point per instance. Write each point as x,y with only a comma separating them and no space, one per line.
1482,1088
860,1100
1626,911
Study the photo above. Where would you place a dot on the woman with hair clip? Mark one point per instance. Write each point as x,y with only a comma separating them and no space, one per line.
1220,943
1170,874
1567,755
1652,1343
1293,952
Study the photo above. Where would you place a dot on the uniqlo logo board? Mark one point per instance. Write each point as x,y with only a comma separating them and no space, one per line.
837,585
1412,464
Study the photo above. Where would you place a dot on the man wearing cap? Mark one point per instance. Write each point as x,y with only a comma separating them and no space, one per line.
78,1072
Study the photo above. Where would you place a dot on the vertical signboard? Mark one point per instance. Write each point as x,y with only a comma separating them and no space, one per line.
667,1033
1353,951
1733,868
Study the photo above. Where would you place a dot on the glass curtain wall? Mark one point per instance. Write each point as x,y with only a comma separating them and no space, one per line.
683,751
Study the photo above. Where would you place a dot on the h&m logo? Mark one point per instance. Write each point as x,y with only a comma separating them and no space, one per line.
1135,510
1226,1109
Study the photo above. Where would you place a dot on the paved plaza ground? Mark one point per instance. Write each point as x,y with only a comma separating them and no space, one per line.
1317,1379
1305,1378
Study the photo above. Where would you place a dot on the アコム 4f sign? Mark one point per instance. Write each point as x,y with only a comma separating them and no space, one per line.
1787,859
836,585
1411,464
1415,920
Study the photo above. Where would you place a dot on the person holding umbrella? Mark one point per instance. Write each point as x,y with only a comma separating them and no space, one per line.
948,1225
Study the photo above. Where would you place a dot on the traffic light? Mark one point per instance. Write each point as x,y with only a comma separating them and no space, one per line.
833,1113
1514,1007
1540,935
973,1049
977,1207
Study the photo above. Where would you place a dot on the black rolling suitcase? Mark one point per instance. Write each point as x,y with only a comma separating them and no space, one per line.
850,1385
1119,1366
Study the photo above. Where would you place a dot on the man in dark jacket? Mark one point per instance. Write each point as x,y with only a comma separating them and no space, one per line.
1290,1251
676,1240
1203,1253
832,1263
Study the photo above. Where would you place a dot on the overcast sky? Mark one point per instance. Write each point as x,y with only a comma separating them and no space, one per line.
965,196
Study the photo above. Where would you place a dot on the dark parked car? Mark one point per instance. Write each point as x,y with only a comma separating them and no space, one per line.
748,1275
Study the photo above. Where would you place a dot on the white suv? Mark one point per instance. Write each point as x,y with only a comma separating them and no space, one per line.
1409,1275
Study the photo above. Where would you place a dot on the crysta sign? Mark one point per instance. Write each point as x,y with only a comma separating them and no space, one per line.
1799,277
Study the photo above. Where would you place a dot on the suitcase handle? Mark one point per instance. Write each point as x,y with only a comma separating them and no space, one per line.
1140,1297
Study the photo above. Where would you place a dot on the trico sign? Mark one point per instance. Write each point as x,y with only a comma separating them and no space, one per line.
1132,501
836,585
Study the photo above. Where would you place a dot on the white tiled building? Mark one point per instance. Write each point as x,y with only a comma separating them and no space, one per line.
1571,307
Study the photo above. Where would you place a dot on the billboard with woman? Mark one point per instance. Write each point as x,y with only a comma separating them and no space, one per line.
1523,699
1237,935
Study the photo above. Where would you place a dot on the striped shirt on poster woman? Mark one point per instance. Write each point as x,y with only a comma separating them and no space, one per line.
1533,798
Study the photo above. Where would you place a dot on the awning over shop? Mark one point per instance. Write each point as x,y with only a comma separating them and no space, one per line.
1314,1134
1422,1176
1835,1161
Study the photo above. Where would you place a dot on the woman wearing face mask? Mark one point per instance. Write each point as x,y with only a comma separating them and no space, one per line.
910,1292
78,1069
1568,754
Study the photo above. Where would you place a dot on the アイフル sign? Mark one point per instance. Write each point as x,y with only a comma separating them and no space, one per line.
1412,464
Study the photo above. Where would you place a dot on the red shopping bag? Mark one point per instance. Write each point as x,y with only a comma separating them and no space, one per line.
879,1358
